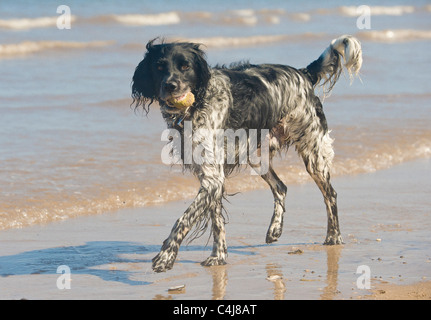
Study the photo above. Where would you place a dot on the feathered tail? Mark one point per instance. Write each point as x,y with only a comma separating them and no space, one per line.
344,51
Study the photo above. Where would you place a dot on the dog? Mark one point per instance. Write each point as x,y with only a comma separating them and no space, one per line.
278,98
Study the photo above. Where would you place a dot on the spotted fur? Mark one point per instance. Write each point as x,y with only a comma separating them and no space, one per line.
277,98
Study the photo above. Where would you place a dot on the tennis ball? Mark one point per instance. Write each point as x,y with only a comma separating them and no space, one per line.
182,102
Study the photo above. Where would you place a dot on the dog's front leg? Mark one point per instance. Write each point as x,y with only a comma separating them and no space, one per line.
168,253
209,194
219,252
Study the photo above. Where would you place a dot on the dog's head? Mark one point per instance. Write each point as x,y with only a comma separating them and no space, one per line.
169,70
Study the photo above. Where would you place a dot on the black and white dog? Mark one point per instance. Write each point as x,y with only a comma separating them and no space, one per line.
275,97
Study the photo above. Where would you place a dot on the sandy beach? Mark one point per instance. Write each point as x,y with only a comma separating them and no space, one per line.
385,221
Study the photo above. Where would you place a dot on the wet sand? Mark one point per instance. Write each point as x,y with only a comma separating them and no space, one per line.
385,221
417,291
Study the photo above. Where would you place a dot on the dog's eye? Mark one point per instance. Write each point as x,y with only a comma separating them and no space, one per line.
160,67
185,67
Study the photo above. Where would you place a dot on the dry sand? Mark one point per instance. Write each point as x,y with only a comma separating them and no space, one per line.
385,220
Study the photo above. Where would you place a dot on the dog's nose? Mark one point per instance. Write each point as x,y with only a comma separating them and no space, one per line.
170,86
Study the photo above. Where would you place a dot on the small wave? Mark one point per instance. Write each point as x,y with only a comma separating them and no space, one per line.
243,17
224,42
29,47
23,212
402,35
300,16
352,11
166,18
31,23
387,156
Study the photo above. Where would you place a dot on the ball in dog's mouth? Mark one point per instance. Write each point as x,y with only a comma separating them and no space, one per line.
182,102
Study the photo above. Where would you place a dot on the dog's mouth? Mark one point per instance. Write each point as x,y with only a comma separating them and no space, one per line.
171,109
178,98
168,104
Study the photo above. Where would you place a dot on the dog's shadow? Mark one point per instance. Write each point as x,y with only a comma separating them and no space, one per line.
92,258
83,259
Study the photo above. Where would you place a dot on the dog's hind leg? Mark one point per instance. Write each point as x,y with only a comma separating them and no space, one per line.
317,160
279,190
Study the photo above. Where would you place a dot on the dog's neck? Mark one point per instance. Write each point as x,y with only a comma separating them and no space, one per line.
175,118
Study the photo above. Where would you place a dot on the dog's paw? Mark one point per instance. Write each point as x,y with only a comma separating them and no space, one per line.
162,262
273,234
333,240
213,261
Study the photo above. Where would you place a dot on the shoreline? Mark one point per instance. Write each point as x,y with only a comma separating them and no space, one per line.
384,217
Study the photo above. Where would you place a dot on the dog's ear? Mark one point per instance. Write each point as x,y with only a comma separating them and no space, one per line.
143,89
201,67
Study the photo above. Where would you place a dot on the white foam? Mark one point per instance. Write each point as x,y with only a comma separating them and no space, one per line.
166,18
352,11
226,42
27,23
400,35
28,47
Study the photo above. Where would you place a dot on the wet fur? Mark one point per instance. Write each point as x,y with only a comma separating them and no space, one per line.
245,96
